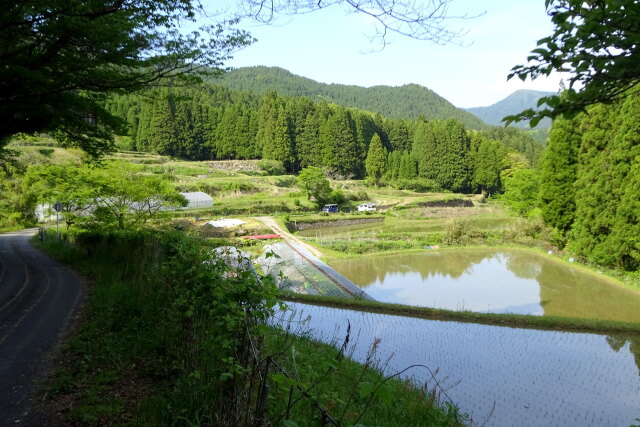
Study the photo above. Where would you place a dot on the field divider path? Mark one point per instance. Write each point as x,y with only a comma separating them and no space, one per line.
311,255
271,223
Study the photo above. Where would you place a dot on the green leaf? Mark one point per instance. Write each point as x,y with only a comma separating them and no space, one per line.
386,395
283,380
534,121
365,388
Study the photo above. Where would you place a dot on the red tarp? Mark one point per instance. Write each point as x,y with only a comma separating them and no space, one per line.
263,236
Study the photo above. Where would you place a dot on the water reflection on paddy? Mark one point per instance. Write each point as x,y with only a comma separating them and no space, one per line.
534,378
490,280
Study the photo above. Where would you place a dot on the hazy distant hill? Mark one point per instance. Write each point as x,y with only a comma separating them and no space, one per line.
512,104
408,101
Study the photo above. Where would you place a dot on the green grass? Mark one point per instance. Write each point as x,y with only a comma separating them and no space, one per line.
161,343
507,320
320,379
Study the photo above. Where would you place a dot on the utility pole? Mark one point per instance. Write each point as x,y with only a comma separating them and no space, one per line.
58,207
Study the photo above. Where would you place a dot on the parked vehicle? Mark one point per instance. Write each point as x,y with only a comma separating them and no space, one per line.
330,208
367,207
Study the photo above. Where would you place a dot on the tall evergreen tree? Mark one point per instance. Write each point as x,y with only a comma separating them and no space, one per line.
308,142
365,130
559,168
408,166
185,137
393,165
376,160
280,146
488,162
162,134
339,143
267,117
225,142
597,187
399,135
441,148
606,185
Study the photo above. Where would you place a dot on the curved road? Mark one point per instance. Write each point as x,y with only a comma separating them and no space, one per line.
38,300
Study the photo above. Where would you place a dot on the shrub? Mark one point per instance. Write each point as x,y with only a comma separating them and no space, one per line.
237,186
272,167
461,232
286,182
47,152
337,196
358,195
532,232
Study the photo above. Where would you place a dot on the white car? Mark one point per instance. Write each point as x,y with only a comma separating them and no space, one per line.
367,207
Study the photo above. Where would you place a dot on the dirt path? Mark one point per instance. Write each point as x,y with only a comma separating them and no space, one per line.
271,223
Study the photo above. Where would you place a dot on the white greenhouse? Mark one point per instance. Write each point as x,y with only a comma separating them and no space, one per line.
198,199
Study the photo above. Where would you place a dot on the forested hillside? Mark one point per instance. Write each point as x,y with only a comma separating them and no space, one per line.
518,101
212,122
590,179
405,102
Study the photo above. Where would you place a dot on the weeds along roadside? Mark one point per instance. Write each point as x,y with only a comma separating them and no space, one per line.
174,335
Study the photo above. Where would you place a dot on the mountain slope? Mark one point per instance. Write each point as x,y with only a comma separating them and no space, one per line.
408,101
512,104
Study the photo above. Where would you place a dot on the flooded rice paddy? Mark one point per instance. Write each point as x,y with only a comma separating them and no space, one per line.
498,375
492,281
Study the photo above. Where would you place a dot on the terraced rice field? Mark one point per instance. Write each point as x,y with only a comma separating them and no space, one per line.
498,375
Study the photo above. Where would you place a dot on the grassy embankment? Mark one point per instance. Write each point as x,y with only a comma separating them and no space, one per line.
169,339
554,323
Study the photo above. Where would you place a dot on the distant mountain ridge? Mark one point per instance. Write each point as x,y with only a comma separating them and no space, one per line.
512,104
404,102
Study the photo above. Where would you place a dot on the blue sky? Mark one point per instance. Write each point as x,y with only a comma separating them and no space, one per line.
333,46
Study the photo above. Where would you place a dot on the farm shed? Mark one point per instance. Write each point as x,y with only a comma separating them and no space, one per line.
198,199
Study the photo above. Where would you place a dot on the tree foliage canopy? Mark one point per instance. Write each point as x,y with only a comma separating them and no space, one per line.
58,57
114,197
589,182
598,42
521,190
314,182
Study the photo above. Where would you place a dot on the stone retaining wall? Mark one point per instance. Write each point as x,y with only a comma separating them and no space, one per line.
235,165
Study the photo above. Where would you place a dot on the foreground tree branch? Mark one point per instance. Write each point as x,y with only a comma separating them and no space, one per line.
421,20
597,42
59,58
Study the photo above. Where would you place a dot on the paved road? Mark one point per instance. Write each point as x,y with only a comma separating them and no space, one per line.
38,300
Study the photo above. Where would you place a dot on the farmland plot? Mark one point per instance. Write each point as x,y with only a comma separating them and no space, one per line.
506,376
